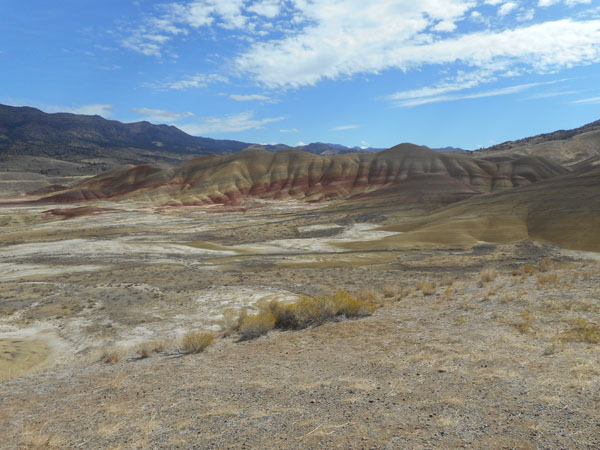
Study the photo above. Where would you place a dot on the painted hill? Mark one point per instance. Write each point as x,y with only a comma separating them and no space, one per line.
563,210
292,174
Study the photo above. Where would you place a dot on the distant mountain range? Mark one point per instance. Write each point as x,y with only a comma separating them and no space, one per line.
39,150
26,131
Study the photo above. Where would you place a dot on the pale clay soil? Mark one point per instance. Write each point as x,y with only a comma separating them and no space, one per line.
473,365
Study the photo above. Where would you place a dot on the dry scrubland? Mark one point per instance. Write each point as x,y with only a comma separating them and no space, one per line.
289,326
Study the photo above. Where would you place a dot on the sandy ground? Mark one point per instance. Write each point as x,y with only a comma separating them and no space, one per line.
449,360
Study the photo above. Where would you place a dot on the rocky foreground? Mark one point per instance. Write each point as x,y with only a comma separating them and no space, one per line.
505,359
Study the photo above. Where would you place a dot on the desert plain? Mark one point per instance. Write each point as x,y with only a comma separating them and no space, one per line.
492,344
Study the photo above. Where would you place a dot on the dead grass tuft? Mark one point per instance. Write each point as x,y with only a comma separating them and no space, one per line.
582,330
148,348
196,341
525,325
38,437
255,325
487,275
447,280
426,288
545,264
369,293
547,279
112,354
305,312
389,291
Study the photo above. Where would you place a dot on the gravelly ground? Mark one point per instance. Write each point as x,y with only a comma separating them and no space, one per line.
475,364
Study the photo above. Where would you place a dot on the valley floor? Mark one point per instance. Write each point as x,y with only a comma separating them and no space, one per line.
490,347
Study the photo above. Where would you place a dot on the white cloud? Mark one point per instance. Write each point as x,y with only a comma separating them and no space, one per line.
194,81
507,8
344,127
417,101
542,95
333,39
267,8
228,124
343,38
88,110
375,39
99,109
160,115
300,144
150,37
464,82
567,2
291,130
591,100
460,82
249,98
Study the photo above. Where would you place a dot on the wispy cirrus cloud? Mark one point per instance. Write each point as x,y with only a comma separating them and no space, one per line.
344,127
228,124
335,39
93,109
423,100
249,98
589,101
160,115
199,80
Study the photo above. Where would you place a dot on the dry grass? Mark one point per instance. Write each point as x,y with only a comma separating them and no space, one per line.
547,279
37,437
256,325
112,354
196,341
447,280
305,312
525,325
370,293
148,348
546,264
488,275
426,288
232,320
582,330
389,291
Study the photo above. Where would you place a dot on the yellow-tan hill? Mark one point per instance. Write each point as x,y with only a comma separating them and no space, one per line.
405,170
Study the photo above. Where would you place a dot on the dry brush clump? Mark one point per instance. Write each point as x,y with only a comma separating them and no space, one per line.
487,275
112,354
426,288
305,312
255,325
582,330
196,341
547,279
148,348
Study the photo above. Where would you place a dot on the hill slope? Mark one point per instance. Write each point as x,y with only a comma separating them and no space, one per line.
299,175
564,146
563,210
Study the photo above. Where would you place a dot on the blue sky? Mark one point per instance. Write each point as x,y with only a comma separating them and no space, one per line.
465,73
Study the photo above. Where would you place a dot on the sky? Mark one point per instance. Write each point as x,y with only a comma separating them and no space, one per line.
376,73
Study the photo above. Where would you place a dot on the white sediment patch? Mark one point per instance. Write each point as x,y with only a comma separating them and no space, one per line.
207,315
358,232
309,228
83,247
213,302
11,271
576,254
